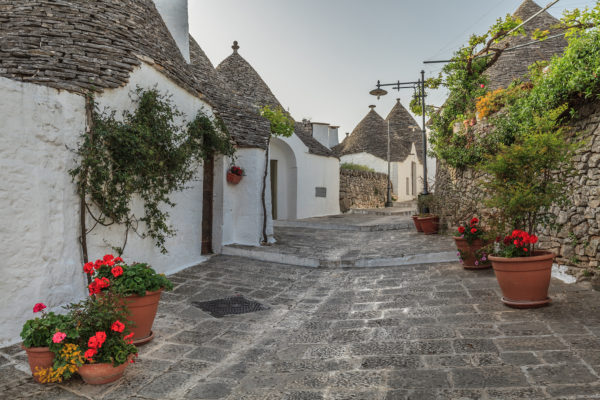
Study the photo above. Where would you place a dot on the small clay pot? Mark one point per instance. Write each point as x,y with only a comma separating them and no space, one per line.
524,280
233,178
469,253
415,219
429,225
39,358
99,374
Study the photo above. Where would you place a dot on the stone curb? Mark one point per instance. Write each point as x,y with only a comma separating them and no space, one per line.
341,227
291,259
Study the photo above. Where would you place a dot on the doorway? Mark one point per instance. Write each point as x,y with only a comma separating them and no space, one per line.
207,205
274,188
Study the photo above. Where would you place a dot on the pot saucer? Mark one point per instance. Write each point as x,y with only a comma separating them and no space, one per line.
142,341
526,303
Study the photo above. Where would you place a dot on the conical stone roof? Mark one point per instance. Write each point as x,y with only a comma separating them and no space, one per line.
247,84
370,136
245,81
514,64
404,126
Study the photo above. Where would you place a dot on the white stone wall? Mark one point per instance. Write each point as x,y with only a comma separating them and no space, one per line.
241,219
40,208
287,178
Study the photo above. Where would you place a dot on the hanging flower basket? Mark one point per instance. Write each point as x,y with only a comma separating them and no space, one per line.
234,175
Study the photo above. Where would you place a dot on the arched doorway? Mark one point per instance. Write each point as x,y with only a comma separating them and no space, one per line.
284,180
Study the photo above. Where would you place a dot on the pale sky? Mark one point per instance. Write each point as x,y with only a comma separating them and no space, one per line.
322,57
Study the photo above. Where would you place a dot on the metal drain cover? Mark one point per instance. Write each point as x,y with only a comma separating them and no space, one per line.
229,306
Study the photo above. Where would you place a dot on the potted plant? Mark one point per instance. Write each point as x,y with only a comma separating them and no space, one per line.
415,219
39,334
234,174
525,179
138,283
470,242
429,223
103,337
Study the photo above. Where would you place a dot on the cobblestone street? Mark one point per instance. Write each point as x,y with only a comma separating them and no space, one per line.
411,332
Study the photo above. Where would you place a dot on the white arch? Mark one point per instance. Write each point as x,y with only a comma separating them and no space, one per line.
287,179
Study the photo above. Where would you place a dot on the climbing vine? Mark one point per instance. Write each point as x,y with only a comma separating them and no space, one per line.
281,125
146,155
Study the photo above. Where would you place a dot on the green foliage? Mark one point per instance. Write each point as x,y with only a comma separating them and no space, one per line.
38,332
281,123
136,279
571,79
98,314
145,155
356,167
530,175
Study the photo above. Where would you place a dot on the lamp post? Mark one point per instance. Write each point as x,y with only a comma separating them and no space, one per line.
388,202
419,86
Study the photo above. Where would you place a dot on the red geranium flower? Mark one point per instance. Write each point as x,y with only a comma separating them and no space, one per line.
117,271
108,257
89,353
118,259
118,326
88,268
101,337
93,342
461,229
127,337
39,307
473,230
474,221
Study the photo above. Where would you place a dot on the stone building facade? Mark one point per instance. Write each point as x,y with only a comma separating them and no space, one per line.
362,189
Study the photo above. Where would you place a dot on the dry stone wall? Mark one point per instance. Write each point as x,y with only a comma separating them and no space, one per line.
362,189
576,236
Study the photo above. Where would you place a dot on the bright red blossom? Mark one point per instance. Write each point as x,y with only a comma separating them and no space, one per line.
88,268
39,307
101,337
117,326
461,229
473,230
89,353
117,271
474,221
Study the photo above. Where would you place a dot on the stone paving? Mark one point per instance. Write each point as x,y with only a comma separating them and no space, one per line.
420,332
319,242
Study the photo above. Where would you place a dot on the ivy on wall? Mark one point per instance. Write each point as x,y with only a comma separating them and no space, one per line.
145,155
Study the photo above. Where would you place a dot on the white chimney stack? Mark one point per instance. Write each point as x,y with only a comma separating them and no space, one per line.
333,136
175,15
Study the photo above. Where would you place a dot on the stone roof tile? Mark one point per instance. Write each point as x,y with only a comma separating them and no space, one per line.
403,125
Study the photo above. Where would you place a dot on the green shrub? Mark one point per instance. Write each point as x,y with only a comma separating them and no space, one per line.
356,167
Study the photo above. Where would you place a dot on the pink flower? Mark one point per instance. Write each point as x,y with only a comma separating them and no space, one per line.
58,337
482,86
39,307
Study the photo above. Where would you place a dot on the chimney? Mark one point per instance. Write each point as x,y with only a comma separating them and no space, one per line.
333,136
175,15
372,107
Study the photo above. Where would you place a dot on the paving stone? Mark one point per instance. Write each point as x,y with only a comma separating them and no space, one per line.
429,347
170,351
166,385
488,377
519,358
570,391
516,394
214,390
530,343
474,346
418,379
207,354
561,374
391,362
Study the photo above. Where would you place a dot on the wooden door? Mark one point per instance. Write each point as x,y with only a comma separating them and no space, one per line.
207,205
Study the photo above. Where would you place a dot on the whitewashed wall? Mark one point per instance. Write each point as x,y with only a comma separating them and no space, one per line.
238,218
41,257
312,171
287,178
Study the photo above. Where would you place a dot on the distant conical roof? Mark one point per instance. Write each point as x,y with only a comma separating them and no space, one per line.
247,84
514,64
245,81
404,126
370,136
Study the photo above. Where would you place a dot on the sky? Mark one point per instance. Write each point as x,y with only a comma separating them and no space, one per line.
322,57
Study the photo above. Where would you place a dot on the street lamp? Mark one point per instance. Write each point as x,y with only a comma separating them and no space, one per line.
419,87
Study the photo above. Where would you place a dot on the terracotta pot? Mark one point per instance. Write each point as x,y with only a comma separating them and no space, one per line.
468,253
429,225
524,280
415,219
233,178
142,312
99,374
39,358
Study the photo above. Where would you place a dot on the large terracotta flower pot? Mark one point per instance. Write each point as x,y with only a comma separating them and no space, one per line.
468,253
429,225
524,280
101,373
415,219
142,311
39,358
233,178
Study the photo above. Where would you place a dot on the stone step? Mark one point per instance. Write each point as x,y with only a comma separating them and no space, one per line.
404,211
256,253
